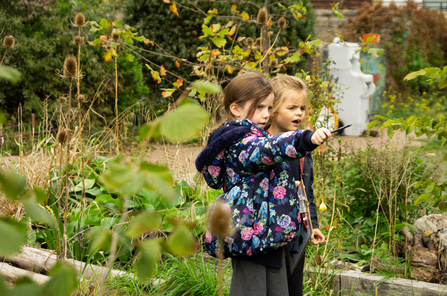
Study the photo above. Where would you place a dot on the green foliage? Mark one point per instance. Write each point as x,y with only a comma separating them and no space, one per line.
190,276
154,20
44,39
9,74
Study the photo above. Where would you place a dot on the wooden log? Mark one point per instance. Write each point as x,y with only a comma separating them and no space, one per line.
43,260
12,274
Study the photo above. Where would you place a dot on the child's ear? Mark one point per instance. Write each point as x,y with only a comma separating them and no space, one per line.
235,110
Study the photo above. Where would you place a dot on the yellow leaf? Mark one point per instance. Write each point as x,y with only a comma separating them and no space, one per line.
230,69
156,76
177,63
233,8
214,11
269,24
428,233
244,15
232,31
162,70
173,8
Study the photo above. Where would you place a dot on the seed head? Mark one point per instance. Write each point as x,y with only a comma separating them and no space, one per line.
209,71
62,100
115,36
70,67
62,137
273,63
219,220
79,19
8,42
250,41
108,47
282,22
78,40
81,99
262,16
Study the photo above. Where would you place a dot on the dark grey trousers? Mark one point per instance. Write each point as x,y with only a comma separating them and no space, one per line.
251,279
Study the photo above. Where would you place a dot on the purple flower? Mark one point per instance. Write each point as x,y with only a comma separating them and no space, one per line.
242,156
291,151
214,170
284,221
267,161
221,154
264,184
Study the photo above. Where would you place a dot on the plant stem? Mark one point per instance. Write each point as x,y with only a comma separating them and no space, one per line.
265,42
221,258
113,246
116,106
59,196
4,55
80,122
64,255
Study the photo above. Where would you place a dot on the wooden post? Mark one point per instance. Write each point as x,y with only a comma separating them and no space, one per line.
33,123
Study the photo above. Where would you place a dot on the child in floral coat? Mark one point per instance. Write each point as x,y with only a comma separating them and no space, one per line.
252,169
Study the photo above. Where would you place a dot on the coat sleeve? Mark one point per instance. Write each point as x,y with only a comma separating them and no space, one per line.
258,153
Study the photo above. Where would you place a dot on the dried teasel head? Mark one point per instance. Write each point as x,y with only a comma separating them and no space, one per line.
8,42
62,100
62,137
219,220
273,63
108,47
70,67
79,19
81,99
209,71
262,16
250,42
282,22
78,40
115,36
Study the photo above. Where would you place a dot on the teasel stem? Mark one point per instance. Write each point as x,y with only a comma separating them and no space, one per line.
265,42
59,196
4,55
221,259
80,122
67,170
114,245
116,106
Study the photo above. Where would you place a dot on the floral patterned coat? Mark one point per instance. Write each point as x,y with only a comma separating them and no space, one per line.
252,168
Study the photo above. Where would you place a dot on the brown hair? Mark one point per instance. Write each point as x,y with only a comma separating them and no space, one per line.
250,87
283,86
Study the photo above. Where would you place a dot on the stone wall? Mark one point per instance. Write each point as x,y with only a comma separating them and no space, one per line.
327,23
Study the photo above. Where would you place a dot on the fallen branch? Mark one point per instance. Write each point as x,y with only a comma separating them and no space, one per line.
43,260
12,274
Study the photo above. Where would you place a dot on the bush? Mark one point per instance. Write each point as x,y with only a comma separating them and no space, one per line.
44,37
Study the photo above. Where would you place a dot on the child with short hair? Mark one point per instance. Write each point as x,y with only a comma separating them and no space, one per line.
252,169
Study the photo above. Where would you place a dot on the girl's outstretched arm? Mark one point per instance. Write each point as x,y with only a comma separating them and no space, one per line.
256,153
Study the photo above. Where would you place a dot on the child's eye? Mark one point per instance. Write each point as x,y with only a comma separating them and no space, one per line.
259,107
270,108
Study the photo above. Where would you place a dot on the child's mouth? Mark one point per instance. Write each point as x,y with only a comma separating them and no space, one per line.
296,122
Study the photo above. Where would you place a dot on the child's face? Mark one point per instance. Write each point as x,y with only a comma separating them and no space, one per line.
262,113
290,113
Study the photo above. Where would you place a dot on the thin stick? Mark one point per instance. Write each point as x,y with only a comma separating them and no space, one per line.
66,173
116,106
4,55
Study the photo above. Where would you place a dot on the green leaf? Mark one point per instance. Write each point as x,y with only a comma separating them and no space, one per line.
102,239
151,130
144,222
413,75
411,120
422,198
88,184
148,255
430,187
10,74
372,124
25,286
120,172
181,242
390,133
38,213
183,123
207,87
63,280
11,240
104,23
219,41
381,117
12,185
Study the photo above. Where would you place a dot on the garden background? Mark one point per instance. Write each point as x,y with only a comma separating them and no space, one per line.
97,161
